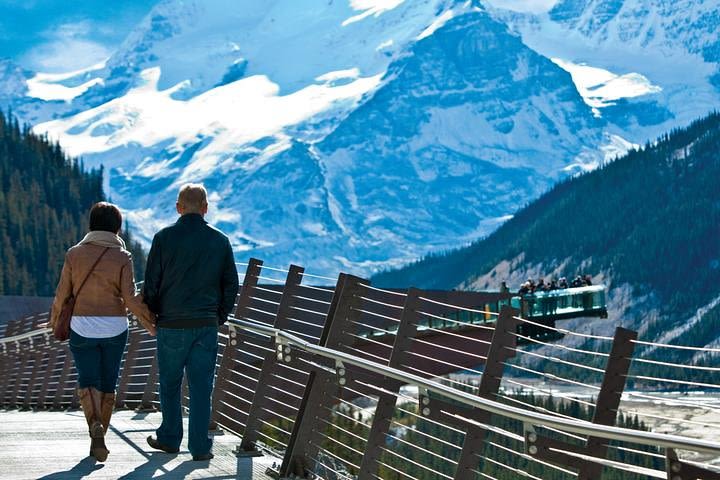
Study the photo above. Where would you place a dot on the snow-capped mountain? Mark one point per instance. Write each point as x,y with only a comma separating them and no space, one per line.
647,66
466,126
344,134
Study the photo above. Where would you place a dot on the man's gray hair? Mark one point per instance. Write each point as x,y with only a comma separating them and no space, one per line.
192,197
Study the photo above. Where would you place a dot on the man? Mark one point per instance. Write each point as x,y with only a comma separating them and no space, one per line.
190,284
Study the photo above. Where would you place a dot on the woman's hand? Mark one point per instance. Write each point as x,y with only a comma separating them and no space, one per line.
149,325
151,329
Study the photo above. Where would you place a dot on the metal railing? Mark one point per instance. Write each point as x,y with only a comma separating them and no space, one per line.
474,401
299,376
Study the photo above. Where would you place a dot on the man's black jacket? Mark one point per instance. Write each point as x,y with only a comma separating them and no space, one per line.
190,278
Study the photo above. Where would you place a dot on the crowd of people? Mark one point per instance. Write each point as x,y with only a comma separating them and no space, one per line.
530,286
545,305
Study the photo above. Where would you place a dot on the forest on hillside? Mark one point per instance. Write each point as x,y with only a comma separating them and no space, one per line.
45,198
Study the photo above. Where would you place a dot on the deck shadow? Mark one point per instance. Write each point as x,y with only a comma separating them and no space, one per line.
84,467
155,461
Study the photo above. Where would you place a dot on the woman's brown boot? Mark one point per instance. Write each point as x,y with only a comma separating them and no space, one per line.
90,399
106,410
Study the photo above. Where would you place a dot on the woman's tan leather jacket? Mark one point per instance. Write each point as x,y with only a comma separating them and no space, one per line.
110,288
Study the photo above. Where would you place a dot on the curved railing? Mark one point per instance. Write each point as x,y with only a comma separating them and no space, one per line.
531,418
299,377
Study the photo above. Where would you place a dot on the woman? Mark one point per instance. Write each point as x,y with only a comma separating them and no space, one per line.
99,326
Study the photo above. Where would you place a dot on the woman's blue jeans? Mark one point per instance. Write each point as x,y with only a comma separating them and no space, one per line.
193,351
97,360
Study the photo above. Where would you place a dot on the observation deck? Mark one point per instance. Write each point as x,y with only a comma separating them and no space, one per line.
337,379
564,303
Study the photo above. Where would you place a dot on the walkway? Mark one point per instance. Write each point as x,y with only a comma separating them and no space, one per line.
291,355
31,450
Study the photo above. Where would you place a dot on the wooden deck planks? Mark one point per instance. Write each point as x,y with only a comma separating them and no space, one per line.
54,446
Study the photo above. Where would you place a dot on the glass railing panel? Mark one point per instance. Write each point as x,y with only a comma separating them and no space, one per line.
575,300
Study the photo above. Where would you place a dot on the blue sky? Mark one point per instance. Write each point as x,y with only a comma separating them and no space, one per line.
65,35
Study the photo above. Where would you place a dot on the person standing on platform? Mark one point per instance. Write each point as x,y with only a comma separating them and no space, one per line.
98,272
190,283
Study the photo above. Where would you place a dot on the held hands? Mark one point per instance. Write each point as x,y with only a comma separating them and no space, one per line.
152,330
150,325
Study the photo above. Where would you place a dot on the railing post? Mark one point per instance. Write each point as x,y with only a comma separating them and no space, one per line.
38,359
49,374
12,374
270,366
608,400
318,397
607,404
501,349
63,378
24,360
14,364
230,352
131,356
146,403
382,418
678,470
4,370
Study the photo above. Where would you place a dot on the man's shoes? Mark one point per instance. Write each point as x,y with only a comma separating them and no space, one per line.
153,442
203,458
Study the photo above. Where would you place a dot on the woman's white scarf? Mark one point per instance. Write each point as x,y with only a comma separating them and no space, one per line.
103,238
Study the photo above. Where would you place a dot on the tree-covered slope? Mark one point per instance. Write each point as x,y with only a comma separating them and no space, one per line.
45,198
650,219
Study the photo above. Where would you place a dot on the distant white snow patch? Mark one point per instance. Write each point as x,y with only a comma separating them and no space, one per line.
373,265
616,147
339,75
315,228
384,45
369,8
438,23
523,6
234,115
48,86
55,91
601,88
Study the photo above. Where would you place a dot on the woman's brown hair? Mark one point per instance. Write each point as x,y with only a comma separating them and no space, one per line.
106,217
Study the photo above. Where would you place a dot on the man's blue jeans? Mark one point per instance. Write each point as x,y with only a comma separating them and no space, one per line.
193,350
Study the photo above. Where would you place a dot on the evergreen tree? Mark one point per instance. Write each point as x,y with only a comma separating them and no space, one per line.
45,198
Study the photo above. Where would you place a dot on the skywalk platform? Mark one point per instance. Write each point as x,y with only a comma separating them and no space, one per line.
54,446
316,373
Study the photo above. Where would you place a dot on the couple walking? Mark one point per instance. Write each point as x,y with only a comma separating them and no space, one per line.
189,290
